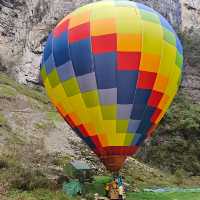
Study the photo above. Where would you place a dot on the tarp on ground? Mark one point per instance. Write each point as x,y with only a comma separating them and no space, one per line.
72,188
161,190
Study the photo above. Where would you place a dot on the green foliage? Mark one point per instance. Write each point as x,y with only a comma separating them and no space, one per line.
3,164
179,176
164,196
9,166
29,179
177,142
183,116
41,125
22,89
7,91
44,194
45,125
40,194
61,160
102,179
3,121
54,115
89,196
143,177
14,174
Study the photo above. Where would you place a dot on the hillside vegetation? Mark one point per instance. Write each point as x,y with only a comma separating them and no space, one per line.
36,143
191,40
176,144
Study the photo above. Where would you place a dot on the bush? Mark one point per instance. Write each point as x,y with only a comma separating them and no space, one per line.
89,196
2,66
3,121
176,143
28,179
3,164
179,176
185,113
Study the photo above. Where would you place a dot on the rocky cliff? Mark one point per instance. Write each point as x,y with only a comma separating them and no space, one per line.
190,13
24,26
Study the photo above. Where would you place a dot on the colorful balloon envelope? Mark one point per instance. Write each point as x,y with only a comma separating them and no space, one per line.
112,68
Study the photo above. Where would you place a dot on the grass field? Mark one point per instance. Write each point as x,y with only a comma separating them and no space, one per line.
49,195
164,196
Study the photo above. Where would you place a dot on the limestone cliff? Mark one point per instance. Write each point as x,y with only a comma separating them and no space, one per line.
24,26
190,13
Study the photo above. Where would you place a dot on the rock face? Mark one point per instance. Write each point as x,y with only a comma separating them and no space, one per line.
190,13
191,25
24,26
191,82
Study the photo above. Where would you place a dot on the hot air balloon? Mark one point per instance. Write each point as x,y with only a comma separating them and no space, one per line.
112,69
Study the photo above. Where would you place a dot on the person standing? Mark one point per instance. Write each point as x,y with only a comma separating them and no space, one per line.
121,188
113,191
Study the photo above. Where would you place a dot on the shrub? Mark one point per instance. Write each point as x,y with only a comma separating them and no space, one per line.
179,176
3,164
29,179
89,196
176,143
3,121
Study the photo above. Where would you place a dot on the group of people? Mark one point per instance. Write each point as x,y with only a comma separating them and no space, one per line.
115,190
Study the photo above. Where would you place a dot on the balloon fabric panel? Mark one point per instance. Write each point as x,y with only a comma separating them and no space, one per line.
112,69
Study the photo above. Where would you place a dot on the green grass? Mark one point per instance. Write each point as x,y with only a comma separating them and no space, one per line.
44,125
178,132
102,179
61,160
7,91
45,194
3,121
164,196
41,194
54,115
21,89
